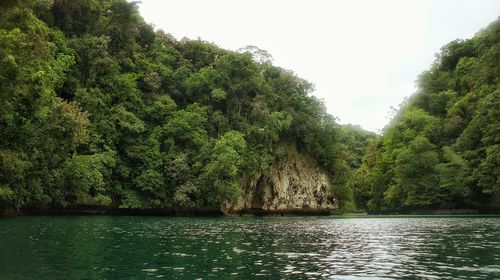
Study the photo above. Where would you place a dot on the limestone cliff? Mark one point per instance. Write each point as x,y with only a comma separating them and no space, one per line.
293,182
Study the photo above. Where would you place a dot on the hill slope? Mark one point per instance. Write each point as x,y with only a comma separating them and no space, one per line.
442,150
99,109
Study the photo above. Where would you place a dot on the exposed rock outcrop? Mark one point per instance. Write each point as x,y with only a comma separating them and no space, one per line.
293,182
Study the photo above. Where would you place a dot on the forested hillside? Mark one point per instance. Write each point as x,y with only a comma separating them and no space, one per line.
442,150
97,108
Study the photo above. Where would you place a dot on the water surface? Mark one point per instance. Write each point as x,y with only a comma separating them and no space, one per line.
110,247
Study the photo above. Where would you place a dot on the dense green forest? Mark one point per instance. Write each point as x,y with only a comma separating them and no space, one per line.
98,108
442,149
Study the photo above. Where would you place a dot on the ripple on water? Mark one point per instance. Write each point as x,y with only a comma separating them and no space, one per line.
213,248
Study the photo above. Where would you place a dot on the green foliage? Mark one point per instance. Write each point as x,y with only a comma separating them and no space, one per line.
187,196
441,149
130,199
223,168
99,109
218,95
453,174
83,177
127,120
6,193
356,140
415,173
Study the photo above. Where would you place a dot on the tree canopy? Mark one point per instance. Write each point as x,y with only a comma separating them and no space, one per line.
442,148
98,108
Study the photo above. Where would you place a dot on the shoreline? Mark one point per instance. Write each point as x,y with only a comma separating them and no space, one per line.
93,211
83,211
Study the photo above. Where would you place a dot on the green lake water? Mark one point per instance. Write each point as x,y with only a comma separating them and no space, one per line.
120,247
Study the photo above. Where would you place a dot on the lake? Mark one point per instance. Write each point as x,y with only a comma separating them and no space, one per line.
126,247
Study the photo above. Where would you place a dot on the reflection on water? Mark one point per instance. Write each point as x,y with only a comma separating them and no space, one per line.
243,248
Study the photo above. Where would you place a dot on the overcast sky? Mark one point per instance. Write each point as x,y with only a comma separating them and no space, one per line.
362,56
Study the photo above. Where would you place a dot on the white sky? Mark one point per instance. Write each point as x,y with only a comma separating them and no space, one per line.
362,56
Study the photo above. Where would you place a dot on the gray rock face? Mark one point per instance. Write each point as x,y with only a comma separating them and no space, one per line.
293,182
